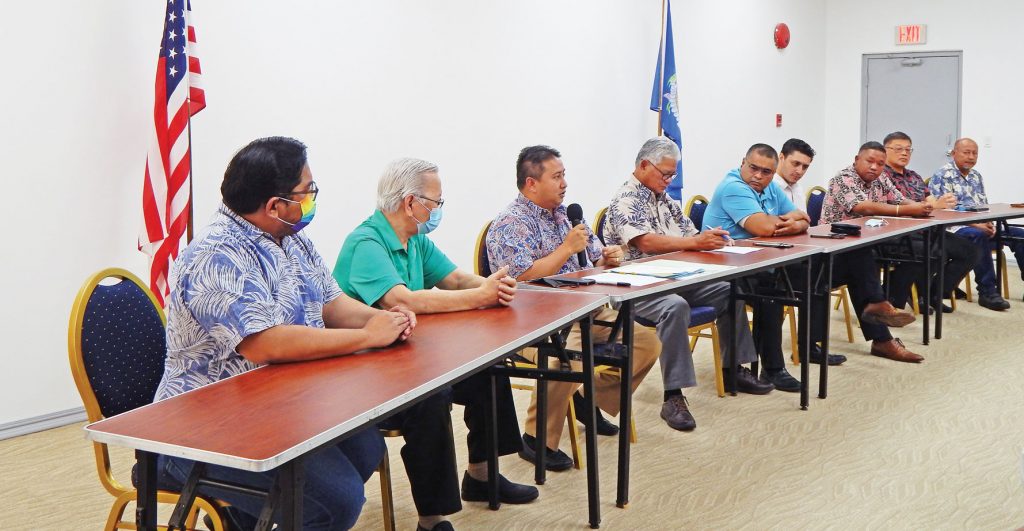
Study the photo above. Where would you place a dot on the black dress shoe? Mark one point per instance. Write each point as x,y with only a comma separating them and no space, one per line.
676,413
554,460
993,301
508,492
603,426
746,382
960,294
781,379
833,359
441,526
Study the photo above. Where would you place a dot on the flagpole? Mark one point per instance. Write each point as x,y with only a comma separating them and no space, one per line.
188,126
661,63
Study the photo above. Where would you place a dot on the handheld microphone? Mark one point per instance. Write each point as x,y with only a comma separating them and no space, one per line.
575,214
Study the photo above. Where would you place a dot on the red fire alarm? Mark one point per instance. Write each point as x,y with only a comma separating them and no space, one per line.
778,120
781,35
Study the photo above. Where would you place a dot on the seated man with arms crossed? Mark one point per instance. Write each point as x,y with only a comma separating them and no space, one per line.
748,203
389,260
965,183
533,238
253,290
647,222
858,190
960,254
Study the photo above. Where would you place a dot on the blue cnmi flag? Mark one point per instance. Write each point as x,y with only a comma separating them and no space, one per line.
664,98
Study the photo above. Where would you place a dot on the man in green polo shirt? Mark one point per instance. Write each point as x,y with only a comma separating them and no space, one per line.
388,258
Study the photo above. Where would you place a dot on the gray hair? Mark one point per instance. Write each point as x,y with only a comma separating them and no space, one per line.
657,149
401,178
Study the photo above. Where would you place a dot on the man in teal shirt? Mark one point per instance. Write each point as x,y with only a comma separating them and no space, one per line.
389,258
747,201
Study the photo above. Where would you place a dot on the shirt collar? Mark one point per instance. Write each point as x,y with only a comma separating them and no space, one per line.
247,228
379,222
535,209
644,192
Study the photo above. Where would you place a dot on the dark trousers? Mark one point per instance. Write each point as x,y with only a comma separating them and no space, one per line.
961,255
429,450
856,269
984,270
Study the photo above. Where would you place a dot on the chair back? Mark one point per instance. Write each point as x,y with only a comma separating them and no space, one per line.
116,349
599,224
694,210
815,200
480,262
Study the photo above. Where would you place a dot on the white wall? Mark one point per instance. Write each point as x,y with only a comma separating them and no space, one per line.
987,33
464,84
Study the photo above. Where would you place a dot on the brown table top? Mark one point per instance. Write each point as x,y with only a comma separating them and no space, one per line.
868,235
266,417
741,264
995,211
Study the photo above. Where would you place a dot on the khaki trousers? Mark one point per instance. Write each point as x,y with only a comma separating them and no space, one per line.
646,349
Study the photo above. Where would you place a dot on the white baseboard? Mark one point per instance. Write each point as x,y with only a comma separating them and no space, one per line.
42,422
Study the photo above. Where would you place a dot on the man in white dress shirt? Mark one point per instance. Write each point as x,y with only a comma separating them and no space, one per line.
794,159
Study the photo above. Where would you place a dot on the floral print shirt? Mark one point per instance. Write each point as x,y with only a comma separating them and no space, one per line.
846,190
232,282
524,233
636,210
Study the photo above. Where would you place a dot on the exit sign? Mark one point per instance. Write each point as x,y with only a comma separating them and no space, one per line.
912,34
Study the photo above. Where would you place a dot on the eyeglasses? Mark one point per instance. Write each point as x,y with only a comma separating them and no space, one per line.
438,202
313,189
763,172
907,150
666,176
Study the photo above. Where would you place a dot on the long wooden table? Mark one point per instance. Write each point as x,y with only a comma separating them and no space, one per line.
741,265
274,416
943,219
831,248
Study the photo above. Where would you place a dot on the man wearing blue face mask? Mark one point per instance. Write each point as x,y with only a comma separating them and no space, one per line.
387,259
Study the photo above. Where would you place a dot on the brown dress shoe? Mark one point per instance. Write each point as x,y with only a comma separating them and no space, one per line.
884,313
894,350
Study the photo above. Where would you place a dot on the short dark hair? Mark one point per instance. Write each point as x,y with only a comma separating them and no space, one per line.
531,162
795,144
871,145
764,150
265,168
896,135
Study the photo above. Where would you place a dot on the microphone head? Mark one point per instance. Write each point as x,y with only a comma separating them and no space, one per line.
574,212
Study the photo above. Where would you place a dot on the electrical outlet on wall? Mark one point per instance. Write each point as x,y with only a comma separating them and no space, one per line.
986,141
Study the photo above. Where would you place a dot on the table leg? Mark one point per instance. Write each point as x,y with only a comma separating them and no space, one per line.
733,366
942,279
491,432
593,487
540,442
1000,257
928,285
145,510
823,378
625,404
292,477
804,331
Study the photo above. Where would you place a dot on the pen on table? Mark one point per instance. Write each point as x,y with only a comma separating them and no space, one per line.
724,236
622,284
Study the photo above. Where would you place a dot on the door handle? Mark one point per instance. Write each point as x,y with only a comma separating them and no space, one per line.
911,62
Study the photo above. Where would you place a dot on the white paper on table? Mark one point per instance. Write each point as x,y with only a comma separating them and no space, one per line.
669,268
617,278
735,250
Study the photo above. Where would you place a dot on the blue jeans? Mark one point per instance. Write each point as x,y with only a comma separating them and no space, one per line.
984,270
332,495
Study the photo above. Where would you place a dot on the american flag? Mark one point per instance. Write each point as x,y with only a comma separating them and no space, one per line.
166,195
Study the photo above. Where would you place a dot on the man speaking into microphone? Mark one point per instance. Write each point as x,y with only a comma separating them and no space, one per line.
536,236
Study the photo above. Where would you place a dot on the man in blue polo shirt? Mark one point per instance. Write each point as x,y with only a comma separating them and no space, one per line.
749,203
389,258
